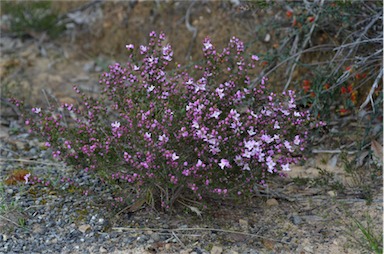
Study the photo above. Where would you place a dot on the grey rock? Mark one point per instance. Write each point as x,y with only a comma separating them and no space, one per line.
296,220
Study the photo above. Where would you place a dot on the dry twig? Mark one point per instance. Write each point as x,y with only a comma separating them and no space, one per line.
199,229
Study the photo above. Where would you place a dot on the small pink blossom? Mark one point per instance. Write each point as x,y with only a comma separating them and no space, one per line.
285,167
207,45
271,164
220,92
115,124
175,156
36,110
263,79
130,46
297,140
143,49
255,57
163,138
216,114
26,177
224,163
266,138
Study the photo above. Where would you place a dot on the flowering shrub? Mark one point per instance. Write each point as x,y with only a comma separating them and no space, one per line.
202,132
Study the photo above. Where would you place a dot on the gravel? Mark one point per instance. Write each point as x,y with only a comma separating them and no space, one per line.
40,220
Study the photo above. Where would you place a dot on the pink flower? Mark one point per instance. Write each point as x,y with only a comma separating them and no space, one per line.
246,167
115,124
130,46
271,164
285,167
266,138
297,140
163,138
26,178
254,57
220,92
288,146
143,49
224,163
251,131
263,79
36,110
207,45
216,114
175,157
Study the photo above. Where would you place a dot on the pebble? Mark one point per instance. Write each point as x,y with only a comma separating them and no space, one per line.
84,228
155,237
296,220
272,202
103,250
243,224
216,250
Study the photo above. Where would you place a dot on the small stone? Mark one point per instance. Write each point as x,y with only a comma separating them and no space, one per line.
267,38
38,229
103,250
272,202
216,250
187,251
155,237
167,246
9,191
20,145
84,228
332,193
243,224
296,219
89,67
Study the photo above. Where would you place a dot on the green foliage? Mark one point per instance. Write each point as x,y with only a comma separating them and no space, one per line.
369,240
329,52
28,17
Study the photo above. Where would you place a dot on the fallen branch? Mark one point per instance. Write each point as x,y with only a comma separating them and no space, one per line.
30,161
373,88
197,229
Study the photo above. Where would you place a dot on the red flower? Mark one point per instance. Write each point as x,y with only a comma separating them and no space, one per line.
354,97
289,13
311,19
350,88
343,111
306,85
344,90
326,86
294,23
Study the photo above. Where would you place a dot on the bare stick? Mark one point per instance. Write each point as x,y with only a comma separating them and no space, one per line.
374,86
191,29
30,161
198,229
307,38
